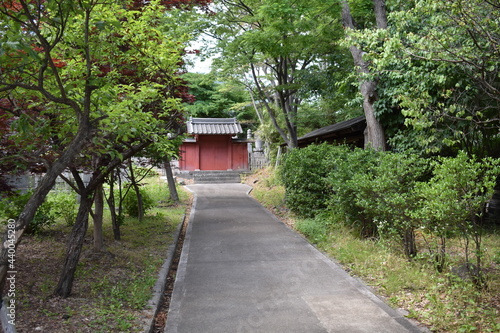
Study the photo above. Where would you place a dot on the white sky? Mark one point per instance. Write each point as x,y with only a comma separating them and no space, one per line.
199,66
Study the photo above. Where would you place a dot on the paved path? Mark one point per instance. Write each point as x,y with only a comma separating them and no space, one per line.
242,270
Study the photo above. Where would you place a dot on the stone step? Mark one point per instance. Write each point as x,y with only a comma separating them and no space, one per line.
216,177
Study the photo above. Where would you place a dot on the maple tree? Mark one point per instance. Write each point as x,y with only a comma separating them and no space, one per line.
85,79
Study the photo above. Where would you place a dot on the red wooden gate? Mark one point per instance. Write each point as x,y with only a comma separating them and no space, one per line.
215,152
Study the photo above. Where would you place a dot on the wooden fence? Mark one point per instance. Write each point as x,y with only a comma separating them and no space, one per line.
257,160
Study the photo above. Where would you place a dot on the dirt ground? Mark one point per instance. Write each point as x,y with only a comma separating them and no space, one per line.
103,298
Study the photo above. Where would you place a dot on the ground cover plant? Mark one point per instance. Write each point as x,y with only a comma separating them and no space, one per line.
439,294
111,287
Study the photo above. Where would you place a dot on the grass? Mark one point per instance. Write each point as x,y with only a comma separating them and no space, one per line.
440,301
268,190
111,288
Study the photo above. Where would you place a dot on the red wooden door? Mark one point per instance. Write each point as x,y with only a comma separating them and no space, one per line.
240,156
214,152
189,156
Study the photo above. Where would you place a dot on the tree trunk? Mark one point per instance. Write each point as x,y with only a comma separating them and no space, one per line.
374,133
409,243
77,236
135,185
44,187
174,196
98,218
115,219
75,244
119,220
380,13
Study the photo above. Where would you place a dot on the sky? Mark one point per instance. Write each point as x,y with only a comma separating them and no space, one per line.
200,66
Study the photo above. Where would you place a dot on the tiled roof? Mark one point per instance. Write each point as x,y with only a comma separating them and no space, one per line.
213,126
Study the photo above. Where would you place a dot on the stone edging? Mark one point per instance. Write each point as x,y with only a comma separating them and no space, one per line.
151,309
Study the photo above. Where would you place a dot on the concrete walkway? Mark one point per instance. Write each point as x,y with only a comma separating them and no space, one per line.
242,270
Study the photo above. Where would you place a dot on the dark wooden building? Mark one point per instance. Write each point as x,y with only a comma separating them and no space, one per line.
346,132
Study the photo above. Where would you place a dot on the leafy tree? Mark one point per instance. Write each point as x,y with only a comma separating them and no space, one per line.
304,174
374,134
267,45
33,80
83,97
330,93
439,62
144,114
214,99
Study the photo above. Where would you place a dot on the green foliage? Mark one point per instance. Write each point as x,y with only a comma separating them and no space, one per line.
387,196
158,192
392,195
362,13
11,206
274,47
457,306
268,190
315,229
58,205
217,100
437,66
45,216
64,205
454,200
141,172
303,173
330,92
130,203
460,188
345,188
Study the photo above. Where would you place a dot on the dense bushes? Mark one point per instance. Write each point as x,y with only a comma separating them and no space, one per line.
63,206
304,175
131,202
386,196
56,206
393,195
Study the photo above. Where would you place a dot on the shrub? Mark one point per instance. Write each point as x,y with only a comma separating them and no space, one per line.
304,173
130,203
454,200
11,206
64,205
386,194
45,215
344,188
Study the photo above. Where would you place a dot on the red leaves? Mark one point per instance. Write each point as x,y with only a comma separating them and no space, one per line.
59,63
104,70
11,5
19,150
16,5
